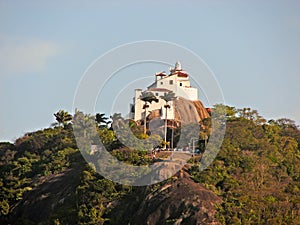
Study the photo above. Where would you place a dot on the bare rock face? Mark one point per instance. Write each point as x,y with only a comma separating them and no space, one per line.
201,110
179,201
187,111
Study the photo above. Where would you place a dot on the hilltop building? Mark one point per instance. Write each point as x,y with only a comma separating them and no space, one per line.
177,81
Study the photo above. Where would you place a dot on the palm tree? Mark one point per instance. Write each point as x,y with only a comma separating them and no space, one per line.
101,120
116,120
167,97
62,117
84,125
147,97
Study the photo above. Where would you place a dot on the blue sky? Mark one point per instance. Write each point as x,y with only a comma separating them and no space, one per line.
253,47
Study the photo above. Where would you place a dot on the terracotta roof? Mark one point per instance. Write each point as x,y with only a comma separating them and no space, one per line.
182,74
161,74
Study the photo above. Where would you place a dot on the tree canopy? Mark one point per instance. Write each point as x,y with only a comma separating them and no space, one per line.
45,180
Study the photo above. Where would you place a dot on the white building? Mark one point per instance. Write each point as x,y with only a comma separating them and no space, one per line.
177,81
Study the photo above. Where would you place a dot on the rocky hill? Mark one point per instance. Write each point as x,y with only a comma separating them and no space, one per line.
178,201
255,179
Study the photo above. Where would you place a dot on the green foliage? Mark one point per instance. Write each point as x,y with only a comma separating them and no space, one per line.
101,120
93,195
132,156
62,117
38,154
138,141
167,97
148,96
223,112
107,137
4,207
256,173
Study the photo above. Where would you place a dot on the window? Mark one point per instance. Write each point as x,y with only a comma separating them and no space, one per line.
156,94
171,82
161,83
180,84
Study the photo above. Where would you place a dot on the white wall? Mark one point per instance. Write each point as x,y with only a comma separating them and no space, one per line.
138,105
184,91
188,93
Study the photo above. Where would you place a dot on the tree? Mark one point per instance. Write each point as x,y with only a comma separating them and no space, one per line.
250,114
62,117
101,120
223,112
147,97
167,97
85,131
116,119
205,132
286,123
107,136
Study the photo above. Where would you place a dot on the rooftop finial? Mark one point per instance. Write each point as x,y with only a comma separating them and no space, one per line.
177,66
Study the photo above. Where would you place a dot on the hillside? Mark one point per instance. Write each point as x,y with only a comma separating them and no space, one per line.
177,201
255,179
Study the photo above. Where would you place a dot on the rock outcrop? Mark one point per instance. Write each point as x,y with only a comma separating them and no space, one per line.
186,111
178,201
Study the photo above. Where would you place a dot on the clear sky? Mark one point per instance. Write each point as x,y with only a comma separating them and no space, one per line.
253,47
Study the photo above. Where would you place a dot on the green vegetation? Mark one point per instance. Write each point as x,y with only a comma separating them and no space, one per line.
256,173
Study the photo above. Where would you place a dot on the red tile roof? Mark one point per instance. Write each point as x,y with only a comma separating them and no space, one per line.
182,74
161,74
